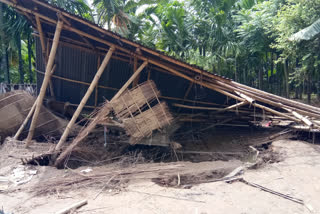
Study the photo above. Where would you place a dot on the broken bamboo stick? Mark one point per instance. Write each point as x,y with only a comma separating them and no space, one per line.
300,117
72,207
85,98
45,81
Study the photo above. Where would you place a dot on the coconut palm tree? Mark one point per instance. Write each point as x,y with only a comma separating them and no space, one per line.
118,15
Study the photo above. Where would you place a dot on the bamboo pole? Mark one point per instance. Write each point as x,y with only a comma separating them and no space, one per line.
77,81
43,48
276,98
276,112
210,108
85,98
268,99
210,86
271,99
135,66
249,99
63,155
96,90
45,81
233,106
302,118
39,27
50,82
190,101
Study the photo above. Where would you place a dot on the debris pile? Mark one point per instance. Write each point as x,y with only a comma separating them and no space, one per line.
14,108
141,111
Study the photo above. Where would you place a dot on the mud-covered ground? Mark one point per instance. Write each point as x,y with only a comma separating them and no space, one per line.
288,167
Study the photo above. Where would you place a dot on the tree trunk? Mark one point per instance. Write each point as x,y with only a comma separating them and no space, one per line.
235,70
3,63
29,58
260,78
309,83
7,66
286,78
20,58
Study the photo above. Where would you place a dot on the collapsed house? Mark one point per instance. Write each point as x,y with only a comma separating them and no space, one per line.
135,87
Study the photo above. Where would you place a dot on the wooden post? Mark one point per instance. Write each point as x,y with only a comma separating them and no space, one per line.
78,140
85,98
96,92
45,81
135,66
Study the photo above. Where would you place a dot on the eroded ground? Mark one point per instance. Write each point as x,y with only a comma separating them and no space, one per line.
293,169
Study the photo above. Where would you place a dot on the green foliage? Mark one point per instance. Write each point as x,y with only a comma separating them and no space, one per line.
77,7
307,33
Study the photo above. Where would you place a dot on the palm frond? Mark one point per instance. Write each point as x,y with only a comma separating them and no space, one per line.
307,33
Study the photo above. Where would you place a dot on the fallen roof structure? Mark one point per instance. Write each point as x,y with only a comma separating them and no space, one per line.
75,72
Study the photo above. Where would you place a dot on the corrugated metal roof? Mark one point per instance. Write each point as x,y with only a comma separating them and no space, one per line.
81,65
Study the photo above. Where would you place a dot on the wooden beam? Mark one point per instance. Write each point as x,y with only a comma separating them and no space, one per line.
45,81
85,98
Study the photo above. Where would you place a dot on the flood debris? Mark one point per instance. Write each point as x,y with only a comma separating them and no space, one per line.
14,107
135,116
